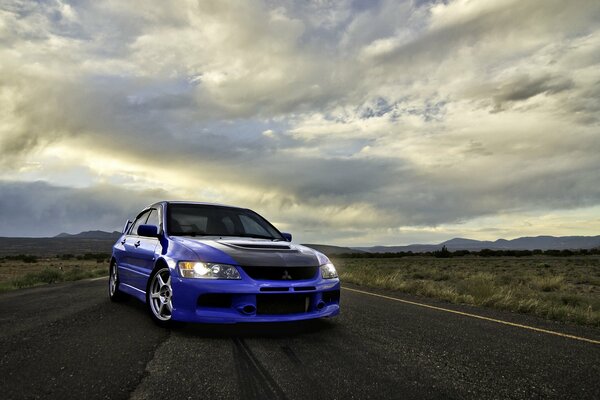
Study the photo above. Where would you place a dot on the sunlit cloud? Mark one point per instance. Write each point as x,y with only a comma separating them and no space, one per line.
346,122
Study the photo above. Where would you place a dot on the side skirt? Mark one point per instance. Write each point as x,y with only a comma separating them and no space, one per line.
135,292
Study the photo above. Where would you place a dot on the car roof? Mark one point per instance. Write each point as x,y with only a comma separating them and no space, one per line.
194,203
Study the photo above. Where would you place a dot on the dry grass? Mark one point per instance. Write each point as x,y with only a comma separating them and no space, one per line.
16,274
561,288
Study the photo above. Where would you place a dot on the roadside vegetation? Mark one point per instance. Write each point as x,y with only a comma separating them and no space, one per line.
564,288
22,271
445,253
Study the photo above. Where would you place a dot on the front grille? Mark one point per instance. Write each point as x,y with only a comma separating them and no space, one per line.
277,304
281,273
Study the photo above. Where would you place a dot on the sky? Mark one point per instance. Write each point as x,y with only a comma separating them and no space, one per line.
348,122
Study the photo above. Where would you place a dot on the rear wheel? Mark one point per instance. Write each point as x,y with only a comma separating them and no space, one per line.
113,283
159,296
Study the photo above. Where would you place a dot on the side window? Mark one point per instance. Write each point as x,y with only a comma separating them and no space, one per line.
252,227
153,218
139,221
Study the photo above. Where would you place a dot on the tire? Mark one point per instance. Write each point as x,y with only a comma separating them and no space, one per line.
159,295
114,294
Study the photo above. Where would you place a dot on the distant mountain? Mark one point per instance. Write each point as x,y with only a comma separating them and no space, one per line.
81,243
332,250
522,243
90,235
102,242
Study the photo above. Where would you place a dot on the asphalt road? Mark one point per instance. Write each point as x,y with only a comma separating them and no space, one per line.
68,341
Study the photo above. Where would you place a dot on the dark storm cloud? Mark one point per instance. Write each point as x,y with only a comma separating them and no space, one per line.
443,200
40,209
504,23
525,87
350,179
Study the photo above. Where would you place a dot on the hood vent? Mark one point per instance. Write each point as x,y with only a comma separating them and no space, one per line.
258,245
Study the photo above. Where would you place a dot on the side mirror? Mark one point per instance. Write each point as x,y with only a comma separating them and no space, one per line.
147,230
287,236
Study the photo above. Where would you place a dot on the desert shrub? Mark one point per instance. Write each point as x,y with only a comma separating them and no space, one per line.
25,281
443,253
48,275
23,257
571,300
480,286
548,283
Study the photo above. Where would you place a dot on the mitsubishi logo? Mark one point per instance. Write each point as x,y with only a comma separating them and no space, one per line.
286,275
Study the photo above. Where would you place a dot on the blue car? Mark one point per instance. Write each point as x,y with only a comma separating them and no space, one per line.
199,262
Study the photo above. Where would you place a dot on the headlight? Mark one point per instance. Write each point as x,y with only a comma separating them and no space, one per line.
201,270
328,271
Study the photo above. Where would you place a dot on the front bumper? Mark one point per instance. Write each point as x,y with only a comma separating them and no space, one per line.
246,300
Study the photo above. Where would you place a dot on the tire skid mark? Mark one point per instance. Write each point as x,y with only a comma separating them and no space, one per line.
254,380
287,350
137,392
314,387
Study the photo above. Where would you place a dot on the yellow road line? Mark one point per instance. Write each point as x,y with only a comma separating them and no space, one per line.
499,321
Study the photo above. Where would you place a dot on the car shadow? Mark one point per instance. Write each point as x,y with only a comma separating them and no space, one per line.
256,330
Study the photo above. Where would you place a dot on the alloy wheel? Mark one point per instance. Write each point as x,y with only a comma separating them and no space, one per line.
112,285
161,295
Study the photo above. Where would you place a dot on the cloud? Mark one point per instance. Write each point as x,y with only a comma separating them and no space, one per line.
524,87
40,209
346,120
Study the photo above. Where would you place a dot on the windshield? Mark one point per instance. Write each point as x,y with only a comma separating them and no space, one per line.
206,220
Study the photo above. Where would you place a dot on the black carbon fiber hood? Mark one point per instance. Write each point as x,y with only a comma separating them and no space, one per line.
259,253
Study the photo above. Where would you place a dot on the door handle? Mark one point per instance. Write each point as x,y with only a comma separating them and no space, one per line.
123,241
137,244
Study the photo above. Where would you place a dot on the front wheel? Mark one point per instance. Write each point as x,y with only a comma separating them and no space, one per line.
114,294
159,297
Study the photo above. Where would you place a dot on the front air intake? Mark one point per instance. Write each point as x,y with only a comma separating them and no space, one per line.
215,300
280,304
